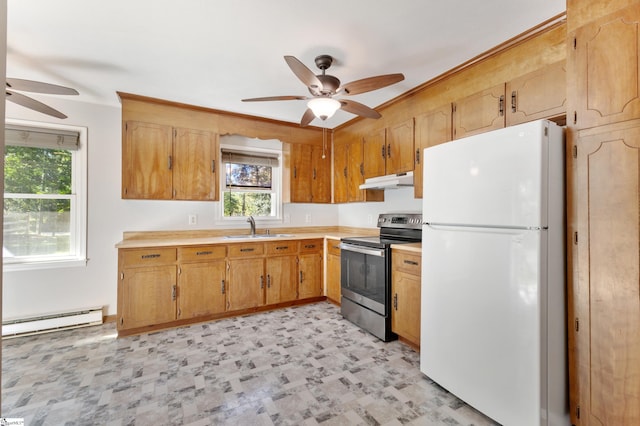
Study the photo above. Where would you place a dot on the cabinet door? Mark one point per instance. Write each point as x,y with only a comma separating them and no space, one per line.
355,171
281,279
321,175
432,128
147,161
301,162
309,275
605,295
246,283
537,95
194,165
479,112
340,173
147,296
375,153
405,288
333,271
400,142
201,289
604,64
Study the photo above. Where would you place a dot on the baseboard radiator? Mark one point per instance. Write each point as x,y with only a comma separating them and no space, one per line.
52,322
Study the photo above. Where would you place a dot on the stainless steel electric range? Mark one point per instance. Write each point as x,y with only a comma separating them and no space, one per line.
365,276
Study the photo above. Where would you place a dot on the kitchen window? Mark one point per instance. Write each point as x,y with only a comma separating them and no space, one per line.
251,183
44,196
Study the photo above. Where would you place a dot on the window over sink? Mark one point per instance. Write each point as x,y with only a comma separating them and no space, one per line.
250,182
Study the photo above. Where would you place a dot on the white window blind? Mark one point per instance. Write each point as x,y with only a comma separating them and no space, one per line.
16,135
262,159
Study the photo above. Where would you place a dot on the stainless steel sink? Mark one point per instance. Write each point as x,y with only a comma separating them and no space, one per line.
258,236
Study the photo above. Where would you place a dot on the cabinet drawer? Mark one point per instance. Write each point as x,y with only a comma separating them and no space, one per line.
406,262
308,246
241,250
282,247
203,253
333,247
148,256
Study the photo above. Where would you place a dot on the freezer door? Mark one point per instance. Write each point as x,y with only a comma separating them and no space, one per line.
496,178
481,319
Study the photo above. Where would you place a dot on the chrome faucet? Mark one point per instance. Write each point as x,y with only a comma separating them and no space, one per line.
252,222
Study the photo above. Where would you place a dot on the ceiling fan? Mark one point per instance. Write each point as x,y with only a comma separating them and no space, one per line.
324,87
36,87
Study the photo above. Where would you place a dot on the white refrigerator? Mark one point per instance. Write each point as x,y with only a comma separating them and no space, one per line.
493,326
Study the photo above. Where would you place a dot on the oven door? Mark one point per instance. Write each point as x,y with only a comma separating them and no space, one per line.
364,276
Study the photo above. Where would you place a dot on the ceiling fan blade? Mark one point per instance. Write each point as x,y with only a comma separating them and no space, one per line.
39,87
307,117
31,103
275,98
371,83
359,109
303,73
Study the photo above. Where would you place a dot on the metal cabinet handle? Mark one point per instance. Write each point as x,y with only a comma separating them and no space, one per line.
222,289
268,281
261,281
513,101
213,166
174,292
169,163
203,253
247,249
301,279
411,262
395,301
282,247
389,151
417,156
344,172
383,151
501,105
150,256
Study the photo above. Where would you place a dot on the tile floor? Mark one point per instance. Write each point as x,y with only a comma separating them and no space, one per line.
297,366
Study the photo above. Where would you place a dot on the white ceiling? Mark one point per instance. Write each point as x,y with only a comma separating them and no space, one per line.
213,53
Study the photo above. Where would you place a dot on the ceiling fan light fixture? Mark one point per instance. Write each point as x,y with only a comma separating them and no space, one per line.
323,108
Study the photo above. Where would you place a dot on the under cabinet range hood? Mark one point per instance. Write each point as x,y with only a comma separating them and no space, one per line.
389,181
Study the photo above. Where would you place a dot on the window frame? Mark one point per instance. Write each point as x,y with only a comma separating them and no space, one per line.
78,213
276,184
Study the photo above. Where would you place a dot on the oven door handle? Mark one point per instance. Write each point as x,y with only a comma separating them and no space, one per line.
362,250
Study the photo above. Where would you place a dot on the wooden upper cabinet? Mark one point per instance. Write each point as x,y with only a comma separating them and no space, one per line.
431,128
146,161
374,146
160,162
604,303
605,61
194,165
340,176
480,112
400,143
310,174
539,94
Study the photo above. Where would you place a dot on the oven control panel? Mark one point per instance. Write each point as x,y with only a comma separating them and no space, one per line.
400,220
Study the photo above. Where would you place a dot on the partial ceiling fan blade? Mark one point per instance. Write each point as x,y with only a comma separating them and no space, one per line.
31,103
307,117
359,109
303,73
371,83
275,98
39,87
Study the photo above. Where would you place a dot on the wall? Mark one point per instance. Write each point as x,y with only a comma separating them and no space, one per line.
28,293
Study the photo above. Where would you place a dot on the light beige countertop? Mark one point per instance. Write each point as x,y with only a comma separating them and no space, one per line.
189,238
412,247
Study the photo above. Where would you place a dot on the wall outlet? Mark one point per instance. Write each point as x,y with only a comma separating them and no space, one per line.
307,218
193,219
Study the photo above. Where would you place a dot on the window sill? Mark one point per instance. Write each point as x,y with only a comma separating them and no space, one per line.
8,266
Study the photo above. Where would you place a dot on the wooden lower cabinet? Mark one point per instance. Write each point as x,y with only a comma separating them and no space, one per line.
281,279
147,287
160,286
405,290
246,283
333,271
310,269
